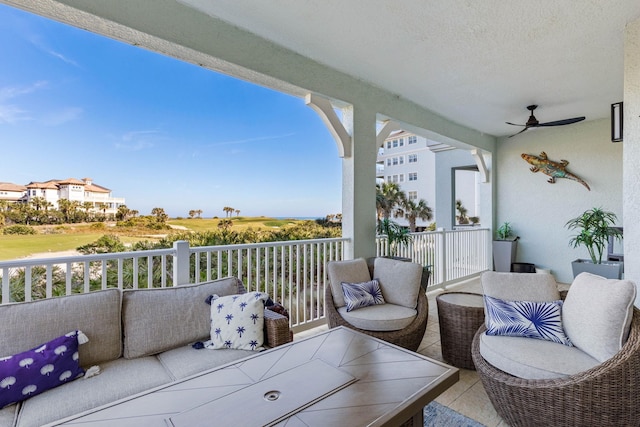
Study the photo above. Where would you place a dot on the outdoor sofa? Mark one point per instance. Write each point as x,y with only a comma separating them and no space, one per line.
138,339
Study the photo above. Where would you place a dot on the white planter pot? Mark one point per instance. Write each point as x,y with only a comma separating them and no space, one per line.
608,269
504,254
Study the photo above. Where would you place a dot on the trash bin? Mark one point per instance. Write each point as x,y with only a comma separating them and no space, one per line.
523,267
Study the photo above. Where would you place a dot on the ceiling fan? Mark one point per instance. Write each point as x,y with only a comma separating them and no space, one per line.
534,123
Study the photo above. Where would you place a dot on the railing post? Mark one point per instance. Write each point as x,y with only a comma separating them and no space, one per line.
181,263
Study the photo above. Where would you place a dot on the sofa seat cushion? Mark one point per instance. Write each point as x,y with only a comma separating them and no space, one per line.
26,325
185,361
8,415
117,379
385,317
399,281
157,320
534,359
597,314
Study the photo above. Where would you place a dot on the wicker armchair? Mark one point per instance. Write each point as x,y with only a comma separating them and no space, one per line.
607,395
409,337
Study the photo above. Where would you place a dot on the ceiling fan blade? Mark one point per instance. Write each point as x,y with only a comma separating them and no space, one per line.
514,124
561,122
519,132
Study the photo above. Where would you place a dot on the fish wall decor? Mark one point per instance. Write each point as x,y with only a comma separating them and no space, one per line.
554,169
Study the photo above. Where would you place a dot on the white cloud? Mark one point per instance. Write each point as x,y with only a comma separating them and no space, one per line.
11,113
138,140
247,140
37,42
62,116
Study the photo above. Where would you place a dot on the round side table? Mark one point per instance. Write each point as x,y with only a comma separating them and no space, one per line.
460,315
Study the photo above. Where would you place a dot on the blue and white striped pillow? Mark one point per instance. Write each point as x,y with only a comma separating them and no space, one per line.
364,294
528,319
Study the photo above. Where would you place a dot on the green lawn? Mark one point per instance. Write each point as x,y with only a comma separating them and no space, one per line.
73,236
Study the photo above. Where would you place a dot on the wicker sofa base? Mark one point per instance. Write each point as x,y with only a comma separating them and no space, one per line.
607,395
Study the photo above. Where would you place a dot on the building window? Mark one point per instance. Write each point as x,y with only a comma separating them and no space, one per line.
395,178
413,176
413,195
395,143
413,158
388,144
389,161
413,140
395,160
401,160
401,142
401,177
389,178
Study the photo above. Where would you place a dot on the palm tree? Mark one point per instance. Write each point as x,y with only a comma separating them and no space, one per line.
199,212
412,211
388,196
462,213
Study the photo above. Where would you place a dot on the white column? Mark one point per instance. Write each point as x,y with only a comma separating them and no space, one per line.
358,183
631,154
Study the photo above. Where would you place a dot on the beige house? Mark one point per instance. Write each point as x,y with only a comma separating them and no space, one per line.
72,189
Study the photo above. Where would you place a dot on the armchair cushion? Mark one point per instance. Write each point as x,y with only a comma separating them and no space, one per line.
597,314
386,317
534,359
520,286
399,281
351,271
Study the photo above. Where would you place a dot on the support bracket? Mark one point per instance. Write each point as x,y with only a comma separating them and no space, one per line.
323,107
482,167
389,126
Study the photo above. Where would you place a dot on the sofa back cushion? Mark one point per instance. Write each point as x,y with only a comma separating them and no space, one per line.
26,325
597,314
351,271
156,320
399,281
520,286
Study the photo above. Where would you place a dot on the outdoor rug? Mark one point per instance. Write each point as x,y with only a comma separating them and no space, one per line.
437,415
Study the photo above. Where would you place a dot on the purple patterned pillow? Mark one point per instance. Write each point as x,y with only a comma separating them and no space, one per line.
358,295
40,369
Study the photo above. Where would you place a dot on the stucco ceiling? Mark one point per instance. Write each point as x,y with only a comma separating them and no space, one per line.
477,63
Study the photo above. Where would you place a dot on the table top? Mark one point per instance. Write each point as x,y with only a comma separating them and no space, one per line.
465,299
322,380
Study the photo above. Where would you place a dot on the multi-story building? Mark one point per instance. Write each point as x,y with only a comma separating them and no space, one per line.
72,189
410,161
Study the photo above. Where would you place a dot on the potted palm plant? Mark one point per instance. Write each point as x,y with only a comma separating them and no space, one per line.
594,228
396,235
505,246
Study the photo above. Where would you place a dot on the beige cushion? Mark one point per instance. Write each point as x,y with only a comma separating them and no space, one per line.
399,281
520,286
156,320
351,271
26,325
117,379
534,359
7,415
384,317
597,314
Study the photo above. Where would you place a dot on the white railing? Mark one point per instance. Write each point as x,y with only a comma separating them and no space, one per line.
451,256
292,272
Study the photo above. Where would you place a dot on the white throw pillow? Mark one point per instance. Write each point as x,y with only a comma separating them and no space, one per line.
597,314
237,321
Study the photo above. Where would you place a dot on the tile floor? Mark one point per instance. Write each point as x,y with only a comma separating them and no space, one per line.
467,396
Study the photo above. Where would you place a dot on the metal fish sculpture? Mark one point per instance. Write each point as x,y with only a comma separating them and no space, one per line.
553,169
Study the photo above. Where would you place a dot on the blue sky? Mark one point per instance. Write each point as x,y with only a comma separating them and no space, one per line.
154,130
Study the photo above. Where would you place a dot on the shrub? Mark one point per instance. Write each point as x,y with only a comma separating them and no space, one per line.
98,226
19,229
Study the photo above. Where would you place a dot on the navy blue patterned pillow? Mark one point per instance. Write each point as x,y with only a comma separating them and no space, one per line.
528,319
358,295
40,369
